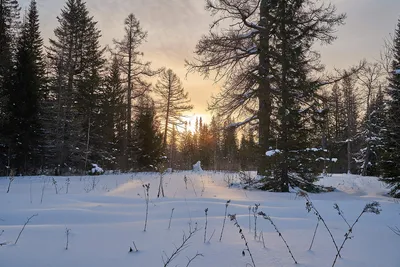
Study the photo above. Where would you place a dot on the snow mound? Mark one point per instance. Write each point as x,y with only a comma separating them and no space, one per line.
355,184
197,167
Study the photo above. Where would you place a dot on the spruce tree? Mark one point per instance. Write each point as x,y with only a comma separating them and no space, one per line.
113,110
147,139
76,59
268,62
9,19
391,157
25,95
370,155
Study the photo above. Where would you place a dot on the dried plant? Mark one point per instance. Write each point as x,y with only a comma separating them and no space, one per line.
315,233
340,212
185,179
268,218
170,218
243,237
205,227
310,207
255,213
67,183
134,245
223,224
67,231
373,207
146,188
23,227
11,179
178,249
395,230
161,170
193,258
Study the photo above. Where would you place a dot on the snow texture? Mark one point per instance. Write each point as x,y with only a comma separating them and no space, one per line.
106,221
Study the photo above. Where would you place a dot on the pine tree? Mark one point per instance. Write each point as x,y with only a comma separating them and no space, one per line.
25,95
391,158
148,150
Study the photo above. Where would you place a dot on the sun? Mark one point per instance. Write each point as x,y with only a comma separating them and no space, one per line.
194,119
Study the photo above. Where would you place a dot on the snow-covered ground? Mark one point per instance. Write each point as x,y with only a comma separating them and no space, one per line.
105,215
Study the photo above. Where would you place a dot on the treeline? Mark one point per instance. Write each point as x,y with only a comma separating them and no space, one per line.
216,145
307,120
75,102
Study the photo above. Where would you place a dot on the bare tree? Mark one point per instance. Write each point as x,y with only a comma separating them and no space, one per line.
134,69
173,102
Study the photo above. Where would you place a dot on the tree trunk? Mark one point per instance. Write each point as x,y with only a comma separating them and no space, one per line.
264,92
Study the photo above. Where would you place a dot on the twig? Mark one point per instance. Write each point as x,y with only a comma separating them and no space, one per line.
193,258
67,231
194,190
43,187
310,206
233,218
340,212
209,240
223,224
205,227
373,207
30,191
67,182
170,218
277,230
255,209
146,188
249,219
185,244
10,180
395,230
134,245
262,237
27,221
315,233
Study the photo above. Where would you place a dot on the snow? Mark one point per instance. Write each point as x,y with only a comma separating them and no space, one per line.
96,169
271,153
197,167
106,221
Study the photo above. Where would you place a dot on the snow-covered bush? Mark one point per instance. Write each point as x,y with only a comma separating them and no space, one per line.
96,170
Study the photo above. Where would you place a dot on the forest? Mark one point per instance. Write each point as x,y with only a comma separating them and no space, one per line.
71,101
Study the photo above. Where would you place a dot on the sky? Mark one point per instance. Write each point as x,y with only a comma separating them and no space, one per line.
175,26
